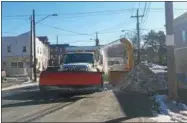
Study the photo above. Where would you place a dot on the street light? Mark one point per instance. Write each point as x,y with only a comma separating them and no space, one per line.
46,18
34,36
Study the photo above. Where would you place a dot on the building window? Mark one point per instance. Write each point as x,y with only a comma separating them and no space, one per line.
4,63
24,49
51,56
20,64
183,36
14,65
40,50
8,48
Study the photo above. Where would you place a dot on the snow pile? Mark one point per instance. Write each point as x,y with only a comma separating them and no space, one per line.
141,79
156,66
159,100
168,110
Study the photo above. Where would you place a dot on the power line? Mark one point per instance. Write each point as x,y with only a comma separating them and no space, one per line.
95,12
118,31
75,16
146,14
19,27
111,28
144,10
80,13
132,9
116,26
14,19
66,30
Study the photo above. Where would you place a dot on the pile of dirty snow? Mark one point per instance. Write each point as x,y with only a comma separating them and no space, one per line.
166,110
141,79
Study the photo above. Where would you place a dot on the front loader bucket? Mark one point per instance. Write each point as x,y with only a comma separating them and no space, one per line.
48,78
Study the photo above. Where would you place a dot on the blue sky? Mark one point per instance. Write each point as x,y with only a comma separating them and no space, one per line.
108,25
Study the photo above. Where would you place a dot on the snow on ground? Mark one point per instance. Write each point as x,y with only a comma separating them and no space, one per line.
20,86
169,110
156,66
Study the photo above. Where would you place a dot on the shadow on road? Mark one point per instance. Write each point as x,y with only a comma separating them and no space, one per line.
31,96
134,105
117,120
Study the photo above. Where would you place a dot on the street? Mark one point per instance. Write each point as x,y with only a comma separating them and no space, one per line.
28,105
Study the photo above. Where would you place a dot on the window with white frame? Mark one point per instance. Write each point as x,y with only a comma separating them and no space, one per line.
24,49
8,48
183,35
14,65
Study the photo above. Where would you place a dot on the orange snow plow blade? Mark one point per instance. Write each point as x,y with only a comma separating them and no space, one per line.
70,78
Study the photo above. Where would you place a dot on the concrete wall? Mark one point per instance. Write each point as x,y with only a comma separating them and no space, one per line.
180,26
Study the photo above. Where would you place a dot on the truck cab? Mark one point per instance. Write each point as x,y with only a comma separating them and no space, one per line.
80,61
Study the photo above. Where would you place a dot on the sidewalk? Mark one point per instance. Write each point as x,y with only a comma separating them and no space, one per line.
18,84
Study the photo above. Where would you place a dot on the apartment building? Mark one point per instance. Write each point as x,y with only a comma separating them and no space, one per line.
57,52
16,54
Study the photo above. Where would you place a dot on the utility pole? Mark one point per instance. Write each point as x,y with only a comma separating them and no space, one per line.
138,33
31,43
97,40
34,37
172,84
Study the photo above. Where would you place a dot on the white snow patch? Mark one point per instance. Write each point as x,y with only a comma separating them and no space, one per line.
183,106
162,118
156,66
20,86
170,111
160,100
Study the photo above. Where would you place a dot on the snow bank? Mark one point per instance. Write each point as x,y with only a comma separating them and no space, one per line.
141,79
156,66
162,118
169,110
159,99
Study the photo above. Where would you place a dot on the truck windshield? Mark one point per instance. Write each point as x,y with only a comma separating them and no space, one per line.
79,58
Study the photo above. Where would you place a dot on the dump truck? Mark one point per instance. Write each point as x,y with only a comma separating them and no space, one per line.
79,71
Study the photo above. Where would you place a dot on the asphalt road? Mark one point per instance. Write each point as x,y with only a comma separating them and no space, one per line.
28,105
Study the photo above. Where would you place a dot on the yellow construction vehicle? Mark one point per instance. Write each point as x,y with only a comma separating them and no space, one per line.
114,76
129,52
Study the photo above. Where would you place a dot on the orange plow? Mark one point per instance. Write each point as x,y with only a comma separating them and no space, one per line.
58,80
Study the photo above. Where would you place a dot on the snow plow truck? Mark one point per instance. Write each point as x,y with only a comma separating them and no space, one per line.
79,71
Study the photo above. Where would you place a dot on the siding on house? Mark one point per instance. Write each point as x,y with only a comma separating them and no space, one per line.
17,61
180,36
